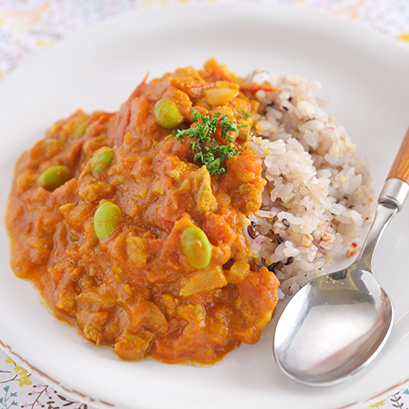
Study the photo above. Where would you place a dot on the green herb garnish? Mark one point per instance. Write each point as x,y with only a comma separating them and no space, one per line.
208,151
247,115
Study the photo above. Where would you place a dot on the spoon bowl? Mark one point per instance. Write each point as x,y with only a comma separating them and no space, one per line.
337,324
347,314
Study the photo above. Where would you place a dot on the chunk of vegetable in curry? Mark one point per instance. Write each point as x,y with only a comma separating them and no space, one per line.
134,234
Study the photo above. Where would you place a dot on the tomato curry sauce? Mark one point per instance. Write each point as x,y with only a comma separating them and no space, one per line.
133,235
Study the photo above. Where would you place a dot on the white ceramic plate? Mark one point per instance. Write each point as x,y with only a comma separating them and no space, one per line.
367,77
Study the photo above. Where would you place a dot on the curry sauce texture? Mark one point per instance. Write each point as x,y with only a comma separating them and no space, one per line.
133,236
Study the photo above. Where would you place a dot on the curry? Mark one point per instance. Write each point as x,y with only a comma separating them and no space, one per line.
133,229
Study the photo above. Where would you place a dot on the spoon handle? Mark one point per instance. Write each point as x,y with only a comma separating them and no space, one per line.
390,201
396,187
400,167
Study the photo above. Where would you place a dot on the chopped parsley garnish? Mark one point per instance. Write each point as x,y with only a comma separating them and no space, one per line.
208,151
247,115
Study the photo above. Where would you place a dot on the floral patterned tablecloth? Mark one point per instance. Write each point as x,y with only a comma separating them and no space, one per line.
28,26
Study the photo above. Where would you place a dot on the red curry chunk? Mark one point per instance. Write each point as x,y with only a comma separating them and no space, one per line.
132,283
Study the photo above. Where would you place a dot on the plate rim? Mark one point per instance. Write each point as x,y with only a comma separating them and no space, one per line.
78,395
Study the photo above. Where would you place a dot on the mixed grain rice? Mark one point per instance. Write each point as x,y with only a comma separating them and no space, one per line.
319,191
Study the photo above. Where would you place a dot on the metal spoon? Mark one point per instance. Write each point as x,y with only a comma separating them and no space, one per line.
338,323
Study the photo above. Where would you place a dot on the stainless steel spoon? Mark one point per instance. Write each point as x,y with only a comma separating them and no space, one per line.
338,323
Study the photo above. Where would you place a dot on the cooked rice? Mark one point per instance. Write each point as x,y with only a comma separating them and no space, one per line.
319,191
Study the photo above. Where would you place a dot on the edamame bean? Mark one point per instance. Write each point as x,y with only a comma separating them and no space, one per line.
54,177
196,247
58,143
106,219
81,129
167,114
102,159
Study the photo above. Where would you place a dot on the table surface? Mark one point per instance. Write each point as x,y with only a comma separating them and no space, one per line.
28,26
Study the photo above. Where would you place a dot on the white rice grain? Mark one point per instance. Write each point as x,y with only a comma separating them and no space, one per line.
319,187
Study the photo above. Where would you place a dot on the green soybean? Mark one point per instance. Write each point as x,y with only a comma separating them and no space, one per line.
107,219
196,247
54,177
167,114
54,142
101,160
81,129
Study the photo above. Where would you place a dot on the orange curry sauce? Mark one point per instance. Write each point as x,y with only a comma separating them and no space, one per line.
135,290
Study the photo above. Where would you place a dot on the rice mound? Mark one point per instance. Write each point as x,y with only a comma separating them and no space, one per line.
319,191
